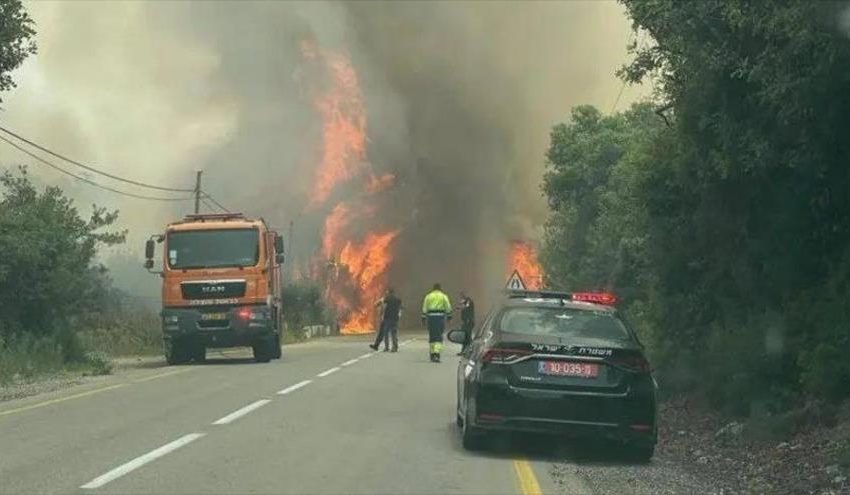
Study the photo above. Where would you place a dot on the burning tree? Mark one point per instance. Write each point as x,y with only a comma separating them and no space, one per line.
522,257
357,250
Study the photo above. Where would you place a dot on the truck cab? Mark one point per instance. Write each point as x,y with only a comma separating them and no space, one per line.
221,286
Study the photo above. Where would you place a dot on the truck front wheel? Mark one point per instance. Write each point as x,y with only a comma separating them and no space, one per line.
199,353
175,352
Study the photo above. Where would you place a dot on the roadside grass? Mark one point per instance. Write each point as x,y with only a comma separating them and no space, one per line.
843,455
134,331
88,352
290,337
24,358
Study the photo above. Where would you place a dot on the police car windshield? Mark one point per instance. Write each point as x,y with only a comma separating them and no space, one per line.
562,322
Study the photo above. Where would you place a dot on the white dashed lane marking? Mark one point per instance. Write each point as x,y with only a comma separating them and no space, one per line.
242,412
295,387
186,439
141,461
328,372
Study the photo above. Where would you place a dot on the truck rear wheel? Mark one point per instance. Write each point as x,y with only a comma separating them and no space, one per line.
278,352
264,350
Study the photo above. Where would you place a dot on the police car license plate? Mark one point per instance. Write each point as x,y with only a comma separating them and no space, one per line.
566,368
213,316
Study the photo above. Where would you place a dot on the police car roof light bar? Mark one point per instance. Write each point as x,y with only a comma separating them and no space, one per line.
604,298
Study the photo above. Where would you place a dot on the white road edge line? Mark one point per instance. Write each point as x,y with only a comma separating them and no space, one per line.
350,362
366,356
328,372
141,461
241,412
295,387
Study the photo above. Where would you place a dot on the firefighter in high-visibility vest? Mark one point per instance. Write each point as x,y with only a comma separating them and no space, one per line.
436,310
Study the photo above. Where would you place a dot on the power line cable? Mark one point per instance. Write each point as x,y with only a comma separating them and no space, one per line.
207,203
90,168
83,179
207,195
623,86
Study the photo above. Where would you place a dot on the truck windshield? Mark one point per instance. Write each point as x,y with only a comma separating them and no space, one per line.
213,248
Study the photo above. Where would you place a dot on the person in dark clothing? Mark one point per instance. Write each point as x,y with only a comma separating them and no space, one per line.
467,319
389,321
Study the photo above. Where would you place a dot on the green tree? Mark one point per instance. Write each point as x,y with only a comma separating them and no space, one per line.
17,33
49,279
725,218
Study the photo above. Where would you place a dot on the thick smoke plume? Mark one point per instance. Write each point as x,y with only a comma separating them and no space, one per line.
459,100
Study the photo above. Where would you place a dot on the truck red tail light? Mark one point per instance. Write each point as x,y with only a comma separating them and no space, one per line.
605,298
497,355
635,363
244,313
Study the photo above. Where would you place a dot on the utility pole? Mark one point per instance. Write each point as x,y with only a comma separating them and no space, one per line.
291,256
198,192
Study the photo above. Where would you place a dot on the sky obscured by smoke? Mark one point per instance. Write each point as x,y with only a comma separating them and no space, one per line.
459,97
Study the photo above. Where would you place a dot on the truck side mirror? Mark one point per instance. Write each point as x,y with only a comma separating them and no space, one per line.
149,263
278,247
150,246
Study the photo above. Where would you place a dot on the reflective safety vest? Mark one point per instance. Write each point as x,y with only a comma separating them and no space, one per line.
436,302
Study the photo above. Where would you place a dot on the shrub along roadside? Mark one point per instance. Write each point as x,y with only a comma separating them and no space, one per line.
303,306
719,211
51,287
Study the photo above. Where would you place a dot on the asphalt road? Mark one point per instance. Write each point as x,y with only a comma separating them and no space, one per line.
330,417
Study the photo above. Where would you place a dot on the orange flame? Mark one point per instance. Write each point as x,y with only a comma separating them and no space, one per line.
368,263
523,259
335,222
379,184
344,124
359,276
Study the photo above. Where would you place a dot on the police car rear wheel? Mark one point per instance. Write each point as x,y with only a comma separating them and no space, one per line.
473,438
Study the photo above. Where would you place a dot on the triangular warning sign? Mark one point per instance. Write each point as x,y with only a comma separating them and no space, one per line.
515,282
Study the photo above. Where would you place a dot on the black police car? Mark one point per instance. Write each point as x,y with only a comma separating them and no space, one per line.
553,362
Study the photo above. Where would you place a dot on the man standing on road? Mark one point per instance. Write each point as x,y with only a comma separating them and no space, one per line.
436,309
467,319
389,321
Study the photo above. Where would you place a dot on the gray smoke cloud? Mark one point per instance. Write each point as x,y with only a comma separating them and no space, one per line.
460,98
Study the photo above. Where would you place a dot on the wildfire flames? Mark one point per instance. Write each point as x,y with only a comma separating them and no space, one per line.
523,258
358,257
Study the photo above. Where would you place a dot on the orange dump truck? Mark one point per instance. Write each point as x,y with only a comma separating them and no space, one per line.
221,286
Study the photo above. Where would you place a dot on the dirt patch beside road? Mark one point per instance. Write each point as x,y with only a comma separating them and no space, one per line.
701,452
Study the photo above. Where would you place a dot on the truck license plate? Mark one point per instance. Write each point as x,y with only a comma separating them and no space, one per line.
213,316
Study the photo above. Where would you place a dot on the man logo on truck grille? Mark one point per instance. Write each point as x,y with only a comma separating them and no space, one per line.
212,289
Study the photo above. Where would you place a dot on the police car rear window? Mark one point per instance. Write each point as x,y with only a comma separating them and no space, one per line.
563,322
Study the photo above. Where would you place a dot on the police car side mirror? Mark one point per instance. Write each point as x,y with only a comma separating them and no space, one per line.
457,336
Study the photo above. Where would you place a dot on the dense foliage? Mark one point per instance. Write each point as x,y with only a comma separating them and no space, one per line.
303,306
721,211
50,286
17,33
